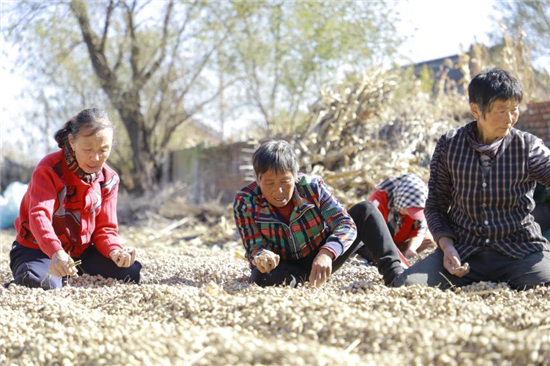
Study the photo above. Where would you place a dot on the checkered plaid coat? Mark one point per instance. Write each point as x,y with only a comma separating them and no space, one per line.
318,220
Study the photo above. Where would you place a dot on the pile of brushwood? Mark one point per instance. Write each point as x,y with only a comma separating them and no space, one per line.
373,126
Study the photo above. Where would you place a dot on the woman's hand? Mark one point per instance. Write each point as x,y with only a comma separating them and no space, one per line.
321,269
266,261
410,253
123,257
61,264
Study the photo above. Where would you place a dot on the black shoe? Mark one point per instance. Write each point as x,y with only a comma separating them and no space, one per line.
397,275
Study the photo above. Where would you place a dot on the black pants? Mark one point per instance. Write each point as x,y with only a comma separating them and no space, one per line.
30,267
487,265
371,230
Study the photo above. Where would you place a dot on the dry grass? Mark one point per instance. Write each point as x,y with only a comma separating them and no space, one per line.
196,307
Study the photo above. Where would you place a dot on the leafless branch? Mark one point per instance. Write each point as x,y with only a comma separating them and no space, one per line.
200,68
163,44
106,26
134,49
121,49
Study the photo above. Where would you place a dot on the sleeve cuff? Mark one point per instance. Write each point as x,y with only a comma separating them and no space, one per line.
334,247
51,249
440,235
106,248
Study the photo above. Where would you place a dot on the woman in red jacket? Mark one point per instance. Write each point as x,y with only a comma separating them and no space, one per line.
69,211
401,200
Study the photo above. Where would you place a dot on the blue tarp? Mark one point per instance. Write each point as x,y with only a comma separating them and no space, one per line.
10,200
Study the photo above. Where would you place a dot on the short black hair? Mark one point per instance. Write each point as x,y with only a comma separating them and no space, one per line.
493,84
274,155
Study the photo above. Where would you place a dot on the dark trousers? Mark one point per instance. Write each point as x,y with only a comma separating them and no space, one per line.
371,230
487,265
30,267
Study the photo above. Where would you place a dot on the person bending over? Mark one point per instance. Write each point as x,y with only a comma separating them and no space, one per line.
293,228
401,200
67,220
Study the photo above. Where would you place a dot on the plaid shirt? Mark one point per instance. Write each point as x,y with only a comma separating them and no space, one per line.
318,220
488,209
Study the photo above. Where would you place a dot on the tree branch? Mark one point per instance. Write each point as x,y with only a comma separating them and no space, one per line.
163,44
200,68
118,61
134,49
106,27
97,56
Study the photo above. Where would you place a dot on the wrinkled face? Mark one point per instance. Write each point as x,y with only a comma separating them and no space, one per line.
498,121
277,188
92,151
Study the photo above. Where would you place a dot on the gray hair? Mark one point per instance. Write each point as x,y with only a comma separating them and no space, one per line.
276,155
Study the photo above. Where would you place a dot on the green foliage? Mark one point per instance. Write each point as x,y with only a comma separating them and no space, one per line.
157,65
288,50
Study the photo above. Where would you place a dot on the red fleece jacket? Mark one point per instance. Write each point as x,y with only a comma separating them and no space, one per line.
60,211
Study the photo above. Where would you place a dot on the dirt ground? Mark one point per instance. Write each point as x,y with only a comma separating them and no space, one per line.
195,306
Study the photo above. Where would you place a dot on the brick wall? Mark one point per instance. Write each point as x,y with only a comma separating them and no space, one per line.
214,172
537,120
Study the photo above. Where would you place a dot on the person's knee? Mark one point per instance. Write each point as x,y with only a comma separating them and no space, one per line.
405,279
529,283
277,277
363,211
134,273
259,278
420,279
362,208
29,278
532,271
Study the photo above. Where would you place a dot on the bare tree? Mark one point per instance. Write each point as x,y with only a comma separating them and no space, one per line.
144,58
157,65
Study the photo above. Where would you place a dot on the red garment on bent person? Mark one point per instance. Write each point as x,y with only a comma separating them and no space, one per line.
61,211
407,230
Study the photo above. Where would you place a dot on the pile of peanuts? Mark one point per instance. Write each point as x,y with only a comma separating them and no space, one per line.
195,306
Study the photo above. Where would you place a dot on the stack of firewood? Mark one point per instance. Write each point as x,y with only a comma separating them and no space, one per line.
368,128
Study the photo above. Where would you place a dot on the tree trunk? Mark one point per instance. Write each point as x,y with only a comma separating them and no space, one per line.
127,102
142,158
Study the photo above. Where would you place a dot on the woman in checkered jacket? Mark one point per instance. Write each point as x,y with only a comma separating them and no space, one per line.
295,230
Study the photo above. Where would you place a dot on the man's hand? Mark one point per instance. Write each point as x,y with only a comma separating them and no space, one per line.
451,262
123,257
266,261
321,268
60,265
